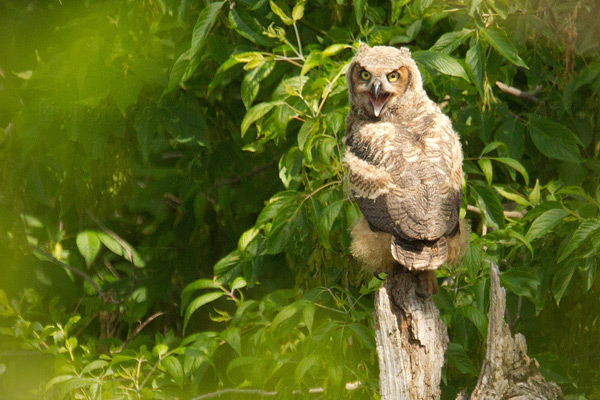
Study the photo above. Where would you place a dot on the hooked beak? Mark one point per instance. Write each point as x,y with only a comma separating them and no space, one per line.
377,97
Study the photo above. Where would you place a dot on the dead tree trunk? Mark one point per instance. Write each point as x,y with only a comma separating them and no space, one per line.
412,340
507,372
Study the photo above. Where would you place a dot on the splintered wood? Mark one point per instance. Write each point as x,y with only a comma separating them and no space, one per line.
412,340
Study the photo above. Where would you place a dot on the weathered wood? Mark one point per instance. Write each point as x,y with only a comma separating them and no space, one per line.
411,340
507,372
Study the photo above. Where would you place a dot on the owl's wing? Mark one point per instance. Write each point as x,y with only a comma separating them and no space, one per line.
407,179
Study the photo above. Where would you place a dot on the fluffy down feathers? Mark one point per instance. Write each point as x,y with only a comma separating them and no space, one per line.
404,166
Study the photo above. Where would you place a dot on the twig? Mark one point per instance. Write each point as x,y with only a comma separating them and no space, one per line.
531,96
74,270
328,90
141,326
349,387
507,213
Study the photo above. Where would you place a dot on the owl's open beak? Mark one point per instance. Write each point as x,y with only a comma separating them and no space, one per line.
377,97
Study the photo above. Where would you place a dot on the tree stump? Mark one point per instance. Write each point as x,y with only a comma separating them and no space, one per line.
411,340
507,372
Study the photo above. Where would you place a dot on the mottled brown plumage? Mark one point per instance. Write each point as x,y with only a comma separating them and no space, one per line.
404,164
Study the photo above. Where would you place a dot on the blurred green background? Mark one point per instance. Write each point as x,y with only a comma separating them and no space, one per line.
173,215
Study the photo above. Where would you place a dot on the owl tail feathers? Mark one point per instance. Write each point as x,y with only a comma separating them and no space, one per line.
420,255
429,255
372,249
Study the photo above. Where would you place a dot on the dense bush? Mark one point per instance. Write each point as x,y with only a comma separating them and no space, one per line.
174,219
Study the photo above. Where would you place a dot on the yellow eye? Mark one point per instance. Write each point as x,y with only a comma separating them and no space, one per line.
364,75
393,76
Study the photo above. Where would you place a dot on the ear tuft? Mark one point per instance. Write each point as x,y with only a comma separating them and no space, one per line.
363,47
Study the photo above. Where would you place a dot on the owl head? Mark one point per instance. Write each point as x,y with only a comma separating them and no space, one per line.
381,79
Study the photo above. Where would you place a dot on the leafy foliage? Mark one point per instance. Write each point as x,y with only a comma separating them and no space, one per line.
173,214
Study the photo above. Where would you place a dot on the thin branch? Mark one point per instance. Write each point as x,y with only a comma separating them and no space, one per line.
74,270
507,213
141,326
328,90
530,96
349,387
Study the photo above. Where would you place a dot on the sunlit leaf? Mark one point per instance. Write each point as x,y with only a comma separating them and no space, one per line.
89,245
199,302
440,62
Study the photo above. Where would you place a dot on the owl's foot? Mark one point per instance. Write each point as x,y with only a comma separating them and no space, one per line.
427,284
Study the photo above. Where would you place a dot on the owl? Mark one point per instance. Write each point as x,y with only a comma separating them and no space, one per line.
404,168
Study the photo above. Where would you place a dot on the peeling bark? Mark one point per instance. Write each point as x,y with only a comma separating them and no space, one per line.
411,340
507,372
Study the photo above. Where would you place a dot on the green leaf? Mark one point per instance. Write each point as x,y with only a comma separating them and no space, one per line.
476,316
488,203
286,313
94,366
333,49
588,271
458,357
475,66
89,245
553,139
561,281
516,197
491,147
204,24
232,336
247,27
545,222
514,164
520,282
121,248
364,335
440,62
487,169
280,13
254,114
173,368
502,44
308,315
326,220
298,11
359,10
450,41
473,259
196,285
306,130
251,82
584,230
199,302
304,366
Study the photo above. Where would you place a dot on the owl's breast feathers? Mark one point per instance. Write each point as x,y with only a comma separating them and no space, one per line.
406,177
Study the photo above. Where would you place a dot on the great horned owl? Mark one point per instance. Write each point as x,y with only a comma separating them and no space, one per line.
404,164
